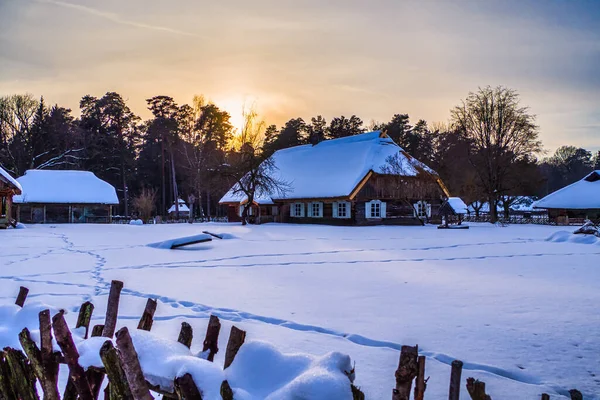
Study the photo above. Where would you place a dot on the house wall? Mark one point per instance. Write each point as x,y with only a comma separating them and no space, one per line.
6,195
39,213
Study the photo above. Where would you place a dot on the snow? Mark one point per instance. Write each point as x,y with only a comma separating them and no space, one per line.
520,311
65,187
260,371
173,243
564,236
457,205
182,207
5,176
581,195
333,168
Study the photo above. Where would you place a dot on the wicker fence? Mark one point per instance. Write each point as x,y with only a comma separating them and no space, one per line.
20,371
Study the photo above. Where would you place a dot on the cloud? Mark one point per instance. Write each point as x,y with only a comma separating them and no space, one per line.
115,18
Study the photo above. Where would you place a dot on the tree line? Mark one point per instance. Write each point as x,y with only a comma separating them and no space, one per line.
489,151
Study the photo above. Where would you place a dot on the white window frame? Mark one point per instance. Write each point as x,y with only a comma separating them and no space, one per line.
315,210
347,209
422,209
377,205
297,210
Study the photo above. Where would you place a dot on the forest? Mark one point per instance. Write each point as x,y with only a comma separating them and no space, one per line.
192,151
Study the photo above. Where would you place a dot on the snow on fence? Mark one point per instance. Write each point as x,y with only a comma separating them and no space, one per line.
132,375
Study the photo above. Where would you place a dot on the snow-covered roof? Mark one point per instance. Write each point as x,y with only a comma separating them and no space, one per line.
457,205
65,187
581,195
182,207
334,168
9,180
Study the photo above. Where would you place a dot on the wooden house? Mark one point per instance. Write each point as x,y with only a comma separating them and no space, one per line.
9,187
365,179
184,210
64,197
579,200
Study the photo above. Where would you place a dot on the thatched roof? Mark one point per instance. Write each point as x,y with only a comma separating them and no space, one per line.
10,181
581,195
336,168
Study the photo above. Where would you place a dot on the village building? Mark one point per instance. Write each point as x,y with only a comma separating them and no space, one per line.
365,179
453,211
64,197
580,200
9,187
184,210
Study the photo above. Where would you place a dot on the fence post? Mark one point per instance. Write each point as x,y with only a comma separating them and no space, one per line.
455,374
420,384
22,296
406,372
236,340
22,378
76,372
212,337
476,389
85,316
186,335
575,394
49,363
112,309
187,388
147,319
35,358
226,392
119,388
131,366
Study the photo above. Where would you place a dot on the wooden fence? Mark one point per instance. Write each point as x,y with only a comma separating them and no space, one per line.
21,370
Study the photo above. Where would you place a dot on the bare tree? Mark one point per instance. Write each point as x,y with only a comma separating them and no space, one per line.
408,188
501,132
144,203
254,173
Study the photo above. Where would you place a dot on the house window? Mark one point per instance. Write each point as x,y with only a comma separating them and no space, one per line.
297,210
342,210
315,210
423,209
375,209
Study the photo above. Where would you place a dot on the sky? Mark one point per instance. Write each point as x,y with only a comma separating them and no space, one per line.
301,58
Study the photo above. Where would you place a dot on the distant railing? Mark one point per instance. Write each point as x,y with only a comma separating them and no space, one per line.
127,220
533,219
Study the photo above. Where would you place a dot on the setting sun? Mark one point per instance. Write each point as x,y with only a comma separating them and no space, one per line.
235,105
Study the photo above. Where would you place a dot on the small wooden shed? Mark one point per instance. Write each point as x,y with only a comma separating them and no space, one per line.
452,212
9,187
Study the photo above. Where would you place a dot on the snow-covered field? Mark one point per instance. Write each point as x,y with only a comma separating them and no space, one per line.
520,311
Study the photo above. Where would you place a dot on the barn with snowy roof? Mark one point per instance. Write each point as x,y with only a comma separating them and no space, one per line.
64,197
365,179
577,200
9,187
